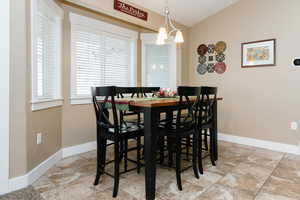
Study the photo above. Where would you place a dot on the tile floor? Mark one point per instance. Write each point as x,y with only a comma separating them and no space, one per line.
242,173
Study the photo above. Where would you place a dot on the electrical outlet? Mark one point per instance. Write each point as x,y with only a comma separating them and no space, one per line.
294,126
39,138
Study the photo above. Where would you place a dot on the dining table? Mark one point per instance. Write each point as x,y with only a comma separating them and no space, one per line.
151,109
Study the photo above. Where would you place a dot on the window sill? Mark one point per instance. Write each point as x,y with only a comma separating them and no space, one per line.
45,104
81,100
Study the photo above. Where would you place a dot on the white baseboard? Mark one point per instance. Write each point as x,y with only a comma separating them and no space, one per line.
38,171
274,146
24,181
20,182
78,149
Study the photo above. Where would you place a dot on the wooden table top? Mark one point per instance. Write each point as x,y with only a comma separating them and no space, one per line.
158,103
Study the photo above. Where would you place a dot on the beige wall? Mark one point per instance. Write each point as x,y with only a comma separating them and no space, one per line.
48,122
258,102
18,85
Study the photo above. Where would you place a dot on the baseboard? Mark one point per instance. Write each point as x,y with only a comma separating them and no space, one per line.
18,183
78,149
21,182
274,146
38,171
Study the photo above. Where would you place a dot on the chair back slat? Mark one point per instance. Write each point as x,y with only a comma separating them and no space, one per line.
208,98
185,93
101,97
136,91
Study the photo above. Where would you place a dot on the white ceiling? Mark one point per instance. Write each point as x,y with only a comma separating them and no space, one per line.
186,12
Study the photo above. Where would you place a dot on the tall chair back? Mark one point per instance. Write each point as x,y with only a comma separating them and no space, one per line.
102,97
130,91
208,98
185,103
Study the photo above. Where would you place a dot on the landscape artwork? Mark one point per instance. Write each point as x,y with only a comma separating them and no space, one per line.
258,53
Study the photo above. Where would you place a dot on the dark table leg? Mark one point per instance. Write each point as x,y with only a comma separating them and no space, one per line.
215,110
150,124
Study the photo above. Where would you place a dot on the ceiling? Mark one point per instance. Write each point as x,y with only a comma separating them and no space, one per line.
186,12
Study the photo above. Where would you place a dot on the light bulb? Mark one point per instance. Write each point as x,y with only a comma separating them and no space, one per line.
163,33
178,37
160,41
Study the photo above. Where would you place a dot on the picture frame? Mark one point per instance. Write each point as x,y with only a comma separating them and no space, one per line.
259,53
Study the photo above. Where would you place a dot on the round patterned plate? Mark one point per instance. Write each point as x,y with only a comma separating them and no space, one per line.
210,68
211,48
202,49
220,57
220,67
202,69
220,47
202,59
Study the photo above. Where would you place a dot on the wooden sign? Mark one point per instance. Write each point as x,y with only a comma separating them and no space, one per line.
130,10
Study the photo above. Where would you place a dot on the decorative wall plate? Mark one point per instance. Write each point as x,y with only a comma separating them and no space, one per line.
211,58
211,48
202,69
202,59
202,49
220,57
220,67
220,47
210,68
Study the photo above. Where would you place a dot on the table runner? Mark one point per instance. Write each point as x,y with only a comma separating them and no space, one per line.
123,104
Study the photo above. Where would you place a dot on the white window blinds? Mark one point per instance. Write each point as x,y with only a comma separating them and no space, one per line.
100,57
46,46
46,52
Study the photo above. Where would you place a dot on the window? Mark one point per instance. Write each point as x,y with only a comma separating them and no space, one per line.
46,54
159,64
102,55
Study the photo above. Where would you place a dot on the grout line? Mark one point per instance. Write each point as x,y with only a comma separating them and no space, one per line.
258,192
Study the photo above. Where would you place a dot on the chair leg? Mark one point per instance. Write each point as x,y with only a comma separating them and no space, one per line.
170,152
101,156
195,155
200,166
117,169
211,148
138,154
178,164
125,155
205,140
161,151
188,144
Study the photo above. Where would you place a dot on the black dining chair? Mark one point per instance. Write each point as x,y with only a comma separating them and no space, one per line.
206,120
113,130
183,125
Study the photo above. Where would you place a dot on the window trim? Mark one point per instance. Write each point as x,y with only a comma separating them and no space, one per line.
98,26
51,10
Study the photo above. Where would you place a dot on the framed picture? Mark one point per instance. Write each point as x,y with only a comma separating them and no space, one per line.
259,53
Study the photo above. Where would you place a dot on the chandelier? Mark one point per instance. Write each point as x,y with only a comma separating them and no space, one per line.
166,31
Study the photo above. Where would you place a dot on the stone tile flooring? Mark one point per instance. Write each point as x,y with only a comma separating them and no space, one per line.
242,173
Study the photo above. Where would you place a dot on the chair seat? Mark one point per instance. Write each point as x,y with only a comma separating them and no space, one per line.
128,131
